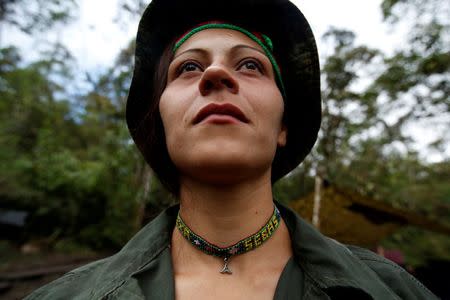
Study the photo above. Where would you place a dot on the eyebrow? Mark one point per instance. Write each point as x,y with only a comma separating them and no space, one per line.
194,50
238,47
232,50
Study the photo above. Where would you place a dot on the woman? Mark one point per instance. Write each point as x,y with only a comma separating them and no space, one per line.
224,101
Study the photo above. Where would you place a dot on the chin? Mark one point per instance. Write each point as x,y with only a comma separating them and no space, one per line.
220,160
226,176
225,169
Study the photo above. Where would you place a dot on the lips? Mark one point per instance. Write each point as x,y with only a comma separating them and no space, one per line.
220,109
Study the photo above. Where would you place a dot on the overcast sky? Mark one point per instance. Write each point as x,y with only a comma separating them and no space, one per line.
95,39
361,16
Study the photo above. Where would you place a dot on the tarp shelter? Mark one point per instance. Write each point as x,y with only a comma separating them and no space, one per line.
351,218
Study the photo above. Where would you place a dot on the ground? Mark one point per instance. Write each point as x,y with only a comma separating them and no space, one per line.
20,274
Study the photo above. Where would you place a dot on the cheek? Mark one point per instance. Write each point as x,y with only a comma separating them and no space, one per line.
163,111
270,106
170,109
176,104
279,132
273,109
174,113
169,113
276,107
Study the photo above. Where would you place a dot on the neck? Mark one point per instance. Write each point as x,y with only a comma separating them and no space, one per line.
225,214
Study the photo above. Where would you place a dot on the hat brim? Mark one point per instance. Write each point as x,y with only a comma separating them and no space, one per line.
294,49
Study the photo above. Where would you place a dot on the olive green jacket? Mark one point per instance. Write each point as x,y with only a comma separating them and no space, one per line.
330,269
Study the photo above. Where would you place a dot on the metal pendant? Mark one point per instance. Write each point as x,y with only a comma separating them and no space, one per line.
225,269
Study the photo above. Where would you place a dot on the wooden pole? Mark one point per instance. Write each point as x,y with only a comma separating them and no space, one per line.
317,200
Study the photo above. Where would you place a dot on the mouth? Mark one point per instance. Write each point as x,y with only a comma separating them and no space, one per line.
221,111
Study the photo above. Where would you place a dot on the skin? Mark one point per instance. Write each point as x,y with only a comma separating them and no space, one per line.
224,163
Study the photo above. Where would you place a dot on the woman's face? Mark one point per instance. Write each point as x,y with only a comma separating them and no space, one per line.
221,109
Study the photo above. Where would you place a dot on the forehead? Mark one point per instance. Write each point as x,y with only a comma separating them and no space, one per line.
217,38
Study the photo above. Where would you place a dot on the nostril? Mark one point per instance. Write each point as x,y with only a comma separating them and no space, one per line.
227,83
208,85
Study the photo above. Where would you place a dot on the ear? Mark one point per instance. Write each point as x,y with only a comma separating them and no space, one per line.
282,136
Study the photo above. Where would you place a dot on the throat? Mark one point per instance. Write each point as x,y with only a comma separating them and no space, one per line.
225,215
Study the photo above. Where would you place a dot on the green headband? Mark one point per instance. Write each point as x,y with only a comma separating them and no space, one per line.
267,46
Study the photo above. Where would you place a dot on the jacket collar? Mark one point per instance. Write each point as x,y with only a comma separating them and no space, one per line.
326,262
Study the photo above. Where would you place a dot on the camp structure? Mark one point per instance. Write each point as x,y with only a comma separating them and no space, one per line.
351,218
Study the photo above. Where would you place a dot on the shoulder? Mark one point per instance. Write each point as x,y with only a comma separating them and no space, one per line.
338,268
76,283
394,276
103,277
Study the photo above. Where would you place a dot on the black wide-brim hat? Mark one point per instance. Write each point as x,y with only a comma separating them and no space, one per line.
294,49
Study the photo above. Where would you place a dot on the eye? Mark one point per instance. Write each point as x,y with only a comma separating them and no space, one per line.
189,66
250,64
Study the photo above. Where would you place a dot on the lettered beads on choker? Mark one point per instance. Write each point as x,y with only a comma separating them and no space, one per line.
250,243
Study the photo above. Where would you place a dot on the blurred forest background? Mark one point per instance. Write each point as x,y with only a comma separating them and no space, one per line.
66,157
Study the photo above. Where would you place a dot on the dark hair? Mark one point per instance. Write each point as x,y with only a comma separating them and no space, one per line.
152,129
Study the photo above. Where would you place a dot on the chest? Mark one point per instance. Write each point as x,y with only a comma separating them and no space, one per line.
227,287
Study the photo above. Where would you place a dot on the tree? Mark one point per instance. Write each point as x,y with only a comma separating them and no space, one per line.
133,8
365,142
416,80
32,16
347,113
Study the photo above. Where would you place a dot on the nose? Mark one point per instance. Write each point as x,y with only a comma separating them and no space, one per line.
216,78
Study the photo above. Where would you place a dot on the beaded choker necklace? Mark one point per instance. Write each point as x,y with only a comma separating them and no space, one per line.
250,243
